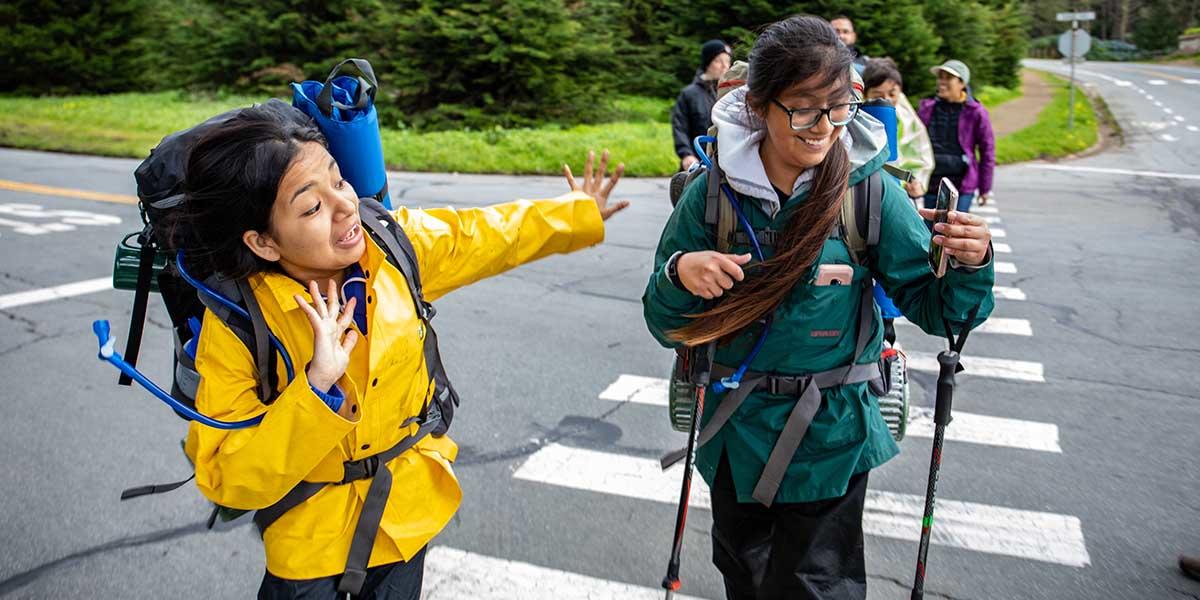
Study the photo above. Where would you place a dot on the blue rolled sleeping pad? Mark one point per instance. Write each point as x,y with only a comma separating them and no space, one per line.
344,108
885,112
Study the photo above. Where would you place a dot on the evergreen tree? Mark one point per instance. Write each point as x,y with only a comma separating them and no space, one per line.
72,47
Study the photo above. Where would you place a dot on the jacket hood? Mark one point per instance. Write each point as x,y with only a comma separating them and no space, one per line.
740,134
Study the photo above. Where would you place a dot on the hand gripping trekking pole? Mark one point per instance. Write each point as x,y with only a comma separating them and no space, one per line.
701,370
949,365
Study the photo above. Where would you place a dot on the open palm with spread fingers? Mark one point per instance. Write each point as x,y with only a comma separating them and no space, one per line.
596,186
333,340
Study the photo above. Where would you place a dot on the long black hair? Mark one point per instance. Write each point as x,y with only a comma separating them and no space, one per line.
233,175
795,50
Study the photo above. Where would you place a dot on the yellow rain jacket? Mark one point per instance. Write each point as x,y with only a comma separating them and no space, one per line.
300,438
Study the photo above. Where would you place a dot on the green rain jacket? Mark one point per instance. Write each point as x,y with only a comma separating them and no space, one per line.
847,435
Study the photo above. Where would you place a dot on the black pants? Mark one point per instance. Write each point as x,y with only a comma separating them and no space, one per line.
397,581
801,551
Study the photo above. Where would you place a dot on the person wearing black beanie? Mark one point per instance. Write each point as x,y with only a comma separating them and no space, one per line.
692,115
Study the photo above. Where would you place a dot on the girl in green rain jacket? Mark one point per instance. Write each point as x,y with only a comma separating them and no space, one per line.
790,144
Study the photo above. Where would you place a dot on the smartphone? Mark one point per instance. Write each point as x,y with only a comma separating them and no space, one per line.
834,275
947,196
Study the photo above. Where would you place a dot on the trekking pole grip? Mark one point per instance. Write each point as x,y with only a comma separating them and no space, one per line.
948,366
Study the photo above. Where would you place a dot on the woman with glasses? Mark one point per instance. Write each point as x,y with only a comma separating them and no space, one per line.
788,524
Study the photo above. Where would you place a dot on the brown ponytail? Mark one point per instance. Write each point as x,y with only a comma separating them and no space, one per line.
787,52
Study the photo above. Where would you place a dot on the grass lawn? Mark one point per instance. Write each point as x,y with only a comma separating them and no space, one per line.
130,124
1049,136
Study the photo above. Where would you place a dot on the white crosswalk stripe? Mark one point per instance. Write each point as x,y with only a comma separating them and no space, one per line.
968,427
1001,248
999,233
1031,535
989,209
999,325
1007,293
979,366
452,574
1007,268
989,431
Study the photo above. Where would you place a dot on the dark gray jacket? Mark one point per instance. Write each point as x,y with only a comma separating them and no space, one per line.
692,115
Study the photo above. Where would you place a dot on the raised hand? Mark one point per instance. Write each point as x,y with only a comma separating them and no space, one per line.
596,186
331,348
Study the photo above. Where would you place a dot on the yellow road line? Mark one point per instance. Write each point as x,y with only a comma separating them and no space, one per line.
33,188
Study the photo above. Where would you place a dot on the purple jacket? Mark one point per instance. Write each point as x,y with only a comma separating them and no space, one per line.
974,134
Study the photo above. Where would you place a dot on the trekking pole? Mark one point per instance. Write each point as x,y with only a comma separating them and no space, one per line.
949,365
701,372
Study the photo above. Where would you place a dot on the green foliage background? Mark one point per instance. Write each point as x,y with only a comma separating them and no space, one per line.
447,64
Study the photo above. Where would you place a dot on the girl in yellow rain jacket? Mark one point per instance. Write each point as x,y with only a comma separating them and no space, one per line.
265,200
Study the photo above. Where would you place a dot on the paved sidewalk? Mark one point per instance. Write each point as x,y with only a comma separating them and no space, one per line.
1021,112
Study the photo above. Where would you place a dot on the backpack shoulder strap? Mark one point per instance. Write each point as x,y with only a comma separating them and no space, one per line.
398,248
718,213
862,216
387,233
254,334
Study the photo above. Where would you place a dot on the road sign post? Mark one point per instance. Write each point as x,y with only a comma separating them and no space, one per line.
1074,44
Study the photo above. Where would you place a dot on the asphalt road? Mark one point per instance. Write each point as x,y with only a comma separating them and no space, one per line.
1072,474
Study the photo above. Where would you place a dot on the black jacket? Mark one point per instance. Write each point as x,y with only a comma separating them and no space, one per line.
692,115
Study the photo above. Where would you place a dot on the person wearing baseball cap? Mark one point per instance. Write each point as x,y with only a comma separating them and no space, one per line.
964,147
692,114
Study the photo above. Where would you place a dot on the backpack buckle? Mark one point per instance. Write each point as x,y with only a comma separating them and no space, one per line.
364,468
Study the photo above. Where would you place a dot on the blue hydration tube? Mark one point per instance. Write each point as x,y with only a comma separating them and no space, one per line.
109,354
734,381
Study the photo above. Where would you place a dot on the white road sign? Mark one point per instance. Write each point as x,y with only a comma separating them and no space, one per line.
1083,42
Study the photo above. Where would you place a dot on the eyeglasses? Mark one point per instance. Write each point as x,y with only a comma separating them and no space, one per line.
800,119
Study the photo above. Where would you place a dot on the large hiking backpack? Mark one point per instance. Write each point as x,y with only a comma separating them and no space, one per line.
159,266
858,227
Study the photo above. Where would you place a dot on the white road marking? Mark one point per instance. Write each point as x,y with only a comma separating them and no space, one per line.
1122,83
1149,97
1113,172
637,389
68,290
996,325
1180,118
1007,293
1168,111
1157,82
23,227
1158,104
1005,267
1193,128
992,220
999,233
990,431
1191,81
994,368
967,427
1152,125
452,574
1031,535
991,210
1166,137
1001,248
